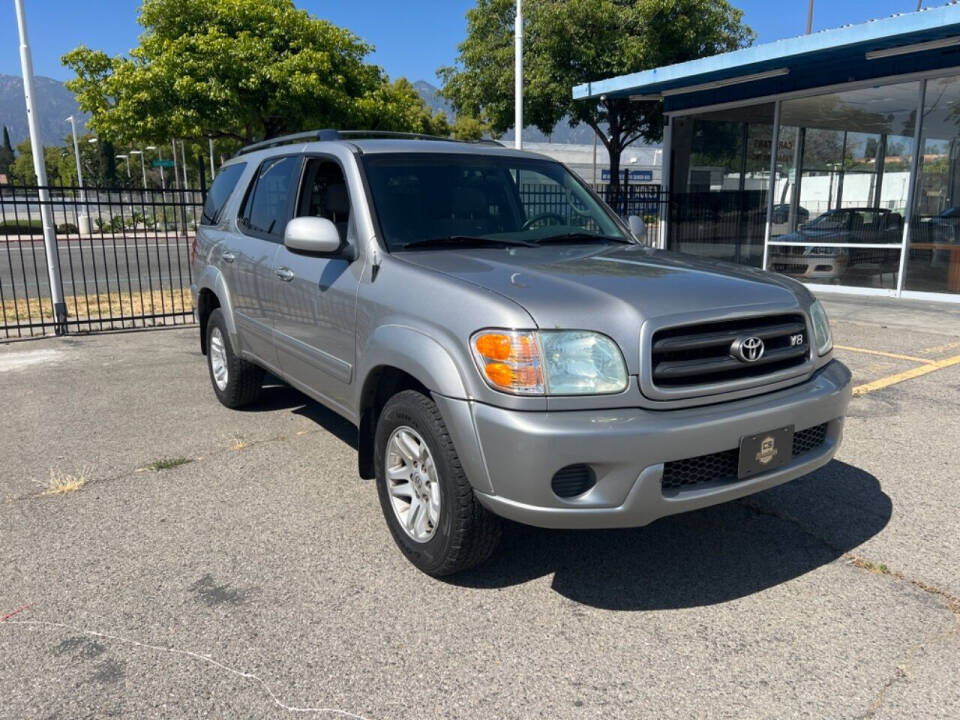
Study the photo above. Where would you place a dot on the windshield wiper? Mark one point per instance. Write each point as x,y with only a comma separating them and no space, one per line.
582,237
464,240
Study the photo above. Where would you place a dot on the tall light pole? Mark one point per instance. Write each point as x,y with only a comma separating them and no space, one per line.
46,212
213,170
176,179
163,179
518,79
76,152
143,166
810,17
83,217
126,159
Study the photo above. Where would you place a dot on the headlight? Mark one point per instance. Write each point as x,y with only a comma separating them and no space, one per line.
550,362
821,328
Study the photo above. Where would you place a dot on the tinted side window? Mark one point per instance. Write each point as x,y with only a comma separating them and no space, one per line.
266,208
220,192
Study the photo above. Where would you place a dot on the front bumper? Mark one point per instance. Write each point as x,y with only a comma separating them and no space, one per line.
511,456
810,268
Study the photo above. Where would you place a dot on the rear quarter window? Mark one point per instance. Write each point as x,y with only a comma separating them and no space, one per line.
223,186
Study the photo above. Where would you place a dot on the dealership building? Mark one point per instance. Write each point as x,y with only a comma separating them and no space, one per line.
831,157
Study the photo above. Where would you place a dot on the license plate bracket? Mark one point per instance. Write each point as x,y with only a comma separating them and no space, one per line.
765,451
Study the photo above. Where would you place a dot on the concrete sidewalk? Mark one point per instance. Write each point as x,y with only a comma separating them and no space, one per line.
255,576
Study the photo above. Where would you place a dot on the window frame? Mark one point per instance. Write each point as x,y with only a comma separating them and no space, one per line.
250,193
219,216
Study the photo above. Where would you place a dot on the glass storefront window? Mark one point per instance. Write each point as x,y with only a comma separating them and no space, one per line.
840,196
721,178
933,262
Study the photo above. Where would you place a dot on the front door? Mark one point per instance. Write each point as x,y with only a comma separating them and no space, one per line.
252,267
315,315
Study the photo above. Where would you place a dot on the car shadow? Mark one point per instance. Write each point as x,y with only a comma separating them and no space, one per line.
277,395
700,558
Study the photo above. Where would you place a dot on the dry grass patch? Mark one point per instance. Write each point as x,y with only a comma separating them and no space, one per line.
62,483
869,565
168,463
239,444
102,305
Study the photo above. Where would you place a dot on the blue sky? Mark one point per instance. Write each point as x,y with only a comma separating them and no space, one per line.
412,37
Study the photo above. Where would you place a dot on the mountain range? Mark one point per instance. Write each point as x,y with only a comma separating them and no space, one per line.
54,103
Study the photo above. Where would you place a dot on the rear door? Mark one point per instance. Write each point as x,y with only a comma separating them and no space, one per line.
315,314
252,274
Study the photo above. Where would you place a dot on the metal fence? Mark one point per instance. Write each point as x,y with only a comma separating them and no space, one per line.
645,201
124,258
124,253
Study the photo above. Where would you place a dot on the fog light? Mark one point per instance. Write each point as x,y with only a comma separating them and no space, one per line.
573,480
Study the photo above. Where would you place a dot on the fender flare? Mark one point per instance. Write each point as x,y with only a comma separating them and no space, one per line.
212,279
414,352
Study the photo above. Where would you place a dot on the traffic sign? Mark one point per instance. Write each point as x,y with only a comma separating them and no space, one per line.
162,163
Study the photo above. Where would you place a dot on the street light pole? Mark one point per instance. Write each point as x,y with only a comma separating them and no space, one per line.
518,77
163,179
76,154
126,159
143,166
213,170
39,167
810,17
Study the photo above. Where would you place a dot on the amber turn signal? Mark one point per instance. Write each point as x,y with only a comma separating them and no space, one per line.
510,360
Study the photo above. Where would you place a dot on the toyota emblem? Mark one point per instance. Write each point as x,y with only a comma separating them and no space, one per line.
748,349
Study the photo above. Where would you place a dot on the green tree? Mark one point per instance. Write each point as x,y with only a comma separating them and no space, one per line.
466,127
6,153
239,70
61,166
569,42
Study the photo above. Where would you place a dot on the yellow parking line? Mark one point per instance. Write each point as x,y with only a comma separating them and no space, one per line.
911,358
906,375
939,348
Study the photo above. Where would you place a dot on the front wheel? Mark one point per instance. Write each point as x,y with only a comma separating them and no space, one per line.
426,498
236,381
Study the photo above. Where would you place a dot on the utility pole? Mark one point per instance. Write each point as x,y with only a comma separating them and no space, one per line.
810,18
39,167
518,79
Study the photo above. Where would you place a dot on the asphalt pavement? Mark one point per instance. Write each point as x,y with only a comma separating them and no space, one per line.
96,264
256,578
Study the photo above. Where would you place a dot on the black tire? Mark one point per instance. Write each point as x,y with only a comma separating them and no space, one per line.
466,533
244,379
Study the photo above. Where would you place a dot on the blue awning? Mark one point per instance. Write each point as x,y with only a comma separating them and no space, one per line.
824,58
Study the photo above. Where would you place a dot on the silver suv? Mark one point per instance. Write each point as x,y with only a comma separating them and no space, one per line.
504,344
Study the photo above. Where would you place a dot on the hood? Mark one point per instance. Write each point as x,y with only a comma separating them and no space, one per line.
613,289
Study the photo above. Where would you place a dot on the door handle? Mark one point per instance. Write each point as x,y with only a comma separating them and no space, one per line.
285,274
228,257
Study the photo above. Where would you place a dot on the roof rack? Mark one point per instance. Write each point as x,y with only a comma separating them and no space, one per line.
330,134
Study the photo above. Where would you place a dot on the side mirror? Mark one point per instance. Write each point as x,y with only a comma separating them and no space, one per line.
312,235
638,227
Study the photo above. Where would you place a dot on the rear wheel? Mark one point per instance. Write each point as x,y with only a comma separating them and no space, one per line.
236,381
426,498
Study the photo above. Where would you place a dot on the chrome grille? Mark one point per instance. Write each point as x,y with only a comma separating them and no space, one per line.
723,466
793,268
691,355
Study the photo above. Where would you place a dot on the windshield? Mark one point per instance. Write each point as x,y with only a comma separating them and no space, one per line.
433,200
831,220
